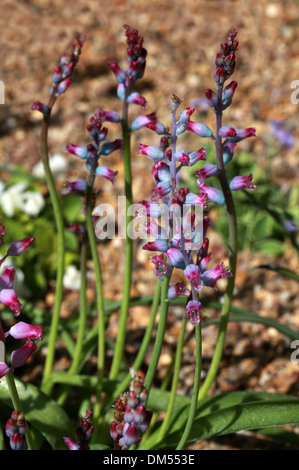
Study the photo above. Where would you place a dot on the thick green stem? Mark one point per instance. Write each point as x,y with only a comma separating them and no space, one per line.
120,340
175,380
196,386
18,406
232,254
160,334
58,215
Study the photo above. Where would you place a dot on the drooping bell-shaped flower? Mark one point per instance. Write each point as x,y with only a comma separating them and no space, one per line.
193,311
177,290
192,273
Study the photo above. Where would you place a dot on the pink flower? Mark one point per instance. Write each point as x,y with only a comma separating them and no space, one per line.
18,247
151,151
9,298
23,330
141,121
178,289
20,356
120,75
242,182
193,311
105,172
211,276
4,369
192,273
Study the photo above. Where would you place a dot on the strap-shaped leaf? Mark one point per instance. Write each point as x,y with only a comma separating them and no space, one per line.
245,416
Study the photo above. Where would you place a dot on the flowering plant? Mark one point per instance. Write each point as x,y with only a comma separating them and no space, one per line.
124,402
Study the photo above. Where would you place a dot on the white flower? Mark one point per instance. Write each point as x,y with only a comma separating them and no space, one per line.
58,163
32,203
11,199
72,278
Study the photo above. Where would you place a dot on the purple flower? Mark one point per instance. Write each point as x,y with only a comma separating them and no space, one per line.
120,75
178,289
81,152
176,258
162,268
157,245
143,120
110,147
151,151
192,273
242,182
283,134
20,356
4,369
211,276
193,311
200,129
23,330
105,172
214,195
136,98
74,186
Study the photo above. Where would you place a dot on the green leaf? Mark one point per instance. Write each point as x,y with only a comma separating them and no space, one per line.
270,247
42,412
255,411
283,271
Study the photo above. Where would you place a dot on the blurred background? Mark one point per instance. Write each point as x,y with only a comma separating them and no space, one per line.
182,39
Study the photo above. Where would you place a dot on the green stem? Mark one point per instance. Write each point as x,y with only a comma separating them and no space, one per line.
196,386
145,342
100,309
120,340
18,406
58,215
82,324
177,367
160,334
232,254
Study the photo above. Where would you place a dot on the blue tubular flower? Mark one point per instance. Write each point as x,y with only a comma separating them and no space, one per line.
199,128
151,151
176,258
81,152
110,147
105,172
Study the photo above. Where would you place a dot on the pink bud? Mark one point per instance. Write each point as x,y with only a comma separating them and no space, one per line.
9,298
20,356
18,247
24,330
120,75
4,369
63,86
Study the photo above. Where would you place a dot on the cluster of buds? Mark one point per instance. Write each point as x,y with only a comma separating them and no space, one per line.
20,330
15,429
131,418
93,151
225,58
136,55
83,434
62,74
